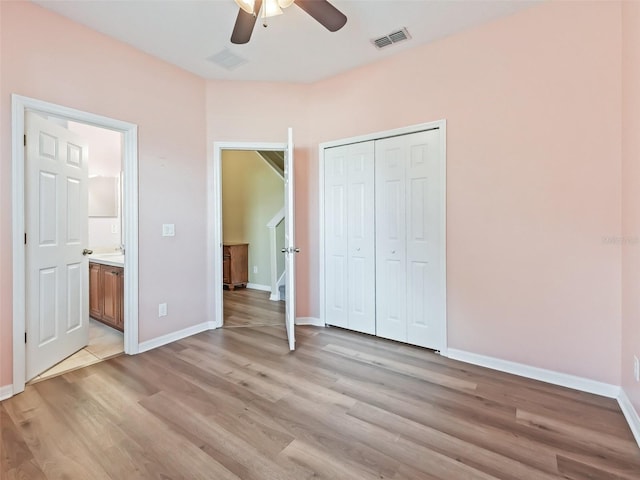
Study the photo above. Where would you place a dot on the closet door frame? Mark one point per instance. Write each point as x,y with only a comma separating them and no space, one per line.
438,124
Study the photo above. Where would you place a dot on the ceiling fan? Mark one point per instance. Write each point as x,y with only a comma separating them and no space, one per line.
321,10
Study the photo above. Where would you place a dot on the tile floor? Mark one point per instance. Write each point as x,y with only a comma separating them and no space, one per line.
104,343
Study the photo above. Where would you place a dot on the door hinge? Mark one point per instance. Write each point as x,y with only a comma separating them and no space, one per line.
25,337
25,238
25,140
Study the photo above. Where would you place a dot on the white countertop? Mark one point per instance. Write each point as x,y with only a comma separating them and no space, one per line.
112,259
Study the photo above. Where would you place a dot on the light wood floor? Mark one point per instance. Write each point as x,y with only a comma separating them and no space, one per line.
236,404
245,307
104,342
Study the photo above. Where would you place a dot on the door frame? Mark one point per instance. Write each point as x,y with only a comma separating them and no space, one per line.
214,223
438,124
19,104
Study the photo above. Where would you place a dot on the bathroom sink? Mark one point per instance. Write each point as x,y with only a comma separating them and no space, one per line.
112,258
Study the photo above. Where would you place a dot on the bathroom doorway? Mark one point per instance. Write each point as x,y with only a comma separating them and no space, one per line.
76,271
105,251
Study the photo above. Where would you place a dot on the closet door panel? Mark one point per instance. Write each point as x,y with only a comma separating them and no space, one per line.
361,238
336,252
424,231
390,237
384,231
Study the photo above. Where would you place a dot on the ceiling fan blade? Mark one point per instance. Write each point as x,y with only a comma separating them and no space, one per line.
325,13
243,28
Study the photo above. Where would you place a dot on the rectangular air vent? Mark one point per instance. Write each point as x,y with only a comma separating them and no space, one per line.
382,42
393,37
225,58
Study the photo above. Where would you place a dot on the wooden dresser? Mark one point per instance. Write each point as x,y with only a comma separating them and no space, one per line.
235,265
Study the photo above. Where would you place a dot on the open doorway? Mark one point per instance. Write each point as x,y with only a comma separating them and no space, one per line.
215,250
253,238
105,249
69,237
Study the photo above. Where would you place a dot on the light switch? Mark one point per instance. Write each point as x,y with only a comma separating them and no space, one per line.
168,230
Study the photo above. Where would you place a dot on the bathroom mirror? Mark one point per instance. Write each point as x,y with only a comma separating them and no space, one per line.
103,196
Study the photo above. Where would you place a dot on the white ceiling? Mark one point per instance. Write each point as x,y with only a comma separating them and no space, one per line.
294,48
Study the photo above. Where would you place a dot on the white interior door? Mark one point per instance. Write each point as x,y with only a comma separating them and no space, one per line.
361,238
290,250
391,254
349,237
336,250
426,309
410,223
57,274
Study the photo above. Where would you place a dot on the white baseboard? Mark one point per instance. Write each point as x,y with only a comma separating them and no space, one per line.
257,286
275,297
316,322
175,336
6,392
633,419
535,373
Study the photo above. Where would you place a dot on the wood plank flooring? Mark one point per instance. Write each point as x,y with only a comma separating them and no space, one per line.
236,404
245,307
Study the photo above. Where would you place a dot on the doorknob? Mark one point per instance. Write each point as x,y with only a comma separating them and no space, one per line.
86,251
297,250
284,250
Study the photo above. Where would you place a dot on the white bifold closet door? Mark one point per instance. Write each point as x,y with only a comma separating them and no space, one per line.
349,237
410,226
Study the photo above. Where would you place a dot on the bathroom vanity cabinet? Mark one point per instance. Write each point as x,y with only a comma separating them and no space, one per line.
106,290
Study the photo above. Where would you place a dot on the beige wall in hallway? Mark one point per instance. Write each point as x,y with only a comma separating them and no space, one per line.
252,193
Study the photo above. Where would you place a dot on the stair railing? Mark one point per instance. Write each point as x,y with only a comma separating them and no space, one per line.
277,219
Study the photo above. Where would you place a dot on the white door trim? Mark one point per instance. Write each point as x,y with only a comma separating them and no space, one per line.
439,124
130,213
214,223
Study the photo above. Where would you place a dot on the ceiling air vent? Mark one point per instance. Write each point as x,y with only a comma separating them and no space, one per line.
394,37
225,58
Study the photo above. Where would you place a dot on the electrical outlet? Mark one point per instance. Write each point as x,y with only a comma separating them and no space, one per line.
255,269
636,368
162,310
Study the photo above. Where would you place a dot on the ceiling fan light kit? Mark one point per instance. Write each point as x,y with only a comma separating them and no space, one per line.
321,10
272,7
285,3
246,5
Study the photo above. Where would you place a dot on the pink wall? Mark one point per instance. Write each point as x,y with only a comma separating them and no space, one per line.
630,197
262,112
50,58
533,105
6,362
